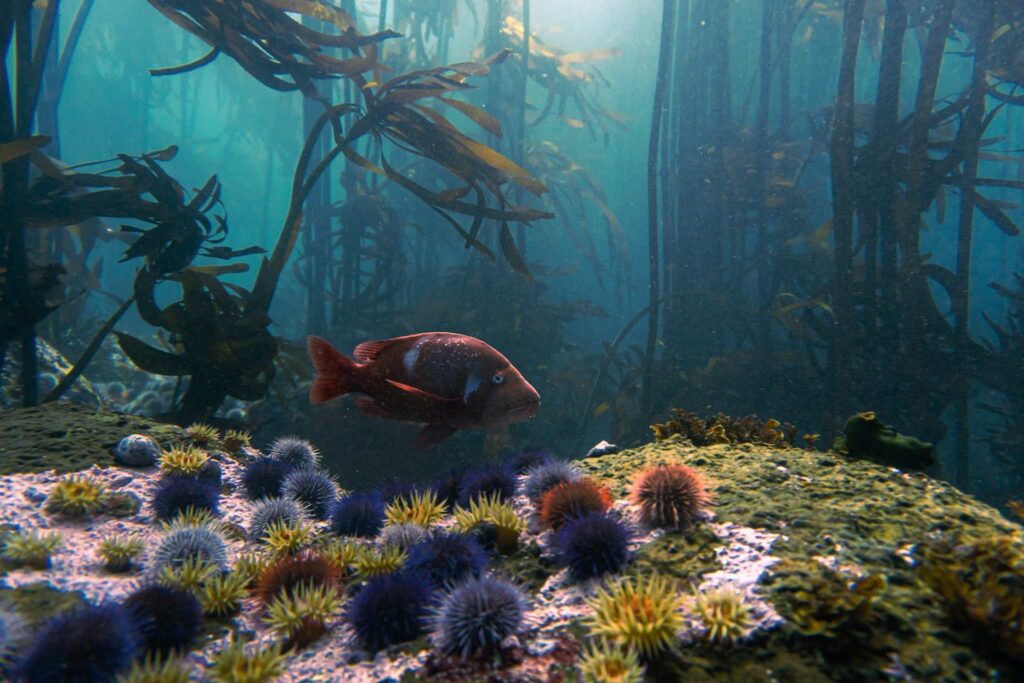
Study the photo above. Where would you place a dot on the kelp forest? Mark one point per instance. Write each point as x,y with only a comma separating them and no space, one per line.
663,213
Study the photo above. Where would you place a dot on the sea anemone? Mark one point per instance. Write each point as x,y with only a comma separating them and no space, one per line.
221,596
342,554
724,613
376,561
294,451
235,440
250,565
87,643
670,496
358,514
528,458
389,609
118,552
193,517
31,549
285,574
234,665
270,510
76,496
191,575
491,480
167,619
152,669
499,514
637,614
287,538
572,499
596,543
183,461
543,477
313,488
201,434
301,617
420,508
264,477
402,536
446,558
174,495
606,662
477,615
203,543
13,634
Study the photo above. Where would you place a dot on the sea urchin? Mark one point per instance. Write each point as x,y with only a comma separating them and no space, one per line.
670,496
477,615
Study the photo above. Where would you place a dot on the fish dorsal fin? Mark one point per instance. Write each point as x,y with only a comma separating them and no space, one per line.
369,350
420,393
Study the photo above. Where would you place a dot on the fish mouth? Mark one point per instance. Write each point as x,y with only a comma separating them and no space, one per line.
523,410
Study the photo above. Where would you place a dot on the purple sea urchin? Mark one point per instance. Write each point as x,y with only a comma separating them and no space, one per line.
264,477
271,510
167,619
526,459
174,495
13,634
88,643
316,490
596,543
358,514
446,558
203,543
447,486
389,609
670,496
477,615
486,481
541,478
294,451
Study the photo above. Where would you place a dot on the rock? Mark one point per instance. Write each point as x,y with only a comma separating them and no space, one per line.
136,450
602,448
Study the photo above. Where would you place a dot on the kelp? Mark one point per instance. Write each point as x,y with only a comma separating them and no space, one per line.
721,428
272,46
568,77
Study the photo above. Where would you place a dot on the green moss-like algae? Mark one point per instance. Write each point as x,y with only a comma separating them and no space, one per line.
857,517
69,437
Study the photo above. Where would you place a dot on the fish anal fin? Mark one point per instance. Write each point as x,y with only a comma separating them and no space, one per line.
420,393
369,350
432,434
370,407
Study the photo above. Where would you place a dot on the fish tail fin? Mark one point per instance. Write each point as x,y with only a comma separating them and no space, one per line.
335,373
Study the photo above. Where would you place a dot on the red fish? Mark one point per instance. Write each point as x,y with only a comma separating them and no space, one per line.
448,381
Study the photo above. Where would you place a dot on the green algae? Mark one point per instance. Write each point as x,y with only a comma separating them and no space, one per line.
69,437
855,516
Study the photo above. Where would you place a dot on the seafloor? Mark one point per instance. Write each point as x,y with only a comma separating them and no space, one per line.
802,535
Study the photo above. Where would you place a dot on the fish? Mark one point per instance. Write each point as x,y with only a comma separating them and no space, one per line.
444,380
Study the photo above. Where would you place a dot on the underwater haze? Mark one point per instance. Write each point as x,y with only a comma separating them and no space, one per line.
511,340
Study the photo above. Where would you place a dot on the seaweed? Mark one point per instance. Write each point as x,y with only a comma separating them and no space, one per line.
721,428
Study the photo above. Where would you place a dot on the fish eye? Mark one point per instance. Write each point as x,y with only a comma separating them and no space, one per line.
497,378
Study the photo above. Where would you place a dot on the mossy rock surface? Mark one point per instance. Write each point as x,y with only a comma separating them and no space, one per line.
69,437
838,518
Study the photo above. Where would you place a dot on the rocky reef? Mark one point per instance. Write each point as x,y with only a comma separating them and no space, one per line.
770,563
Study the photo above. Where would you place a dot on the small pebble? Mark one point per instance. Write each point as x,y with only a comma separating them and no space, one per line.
136,450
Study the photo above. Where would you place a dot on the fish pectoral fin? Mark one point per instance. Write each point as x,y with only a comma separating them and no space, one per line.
419,393
433,433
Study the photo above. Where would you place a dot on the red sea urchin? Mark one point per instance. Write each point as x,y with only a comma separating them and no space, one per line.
572,499
670,496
